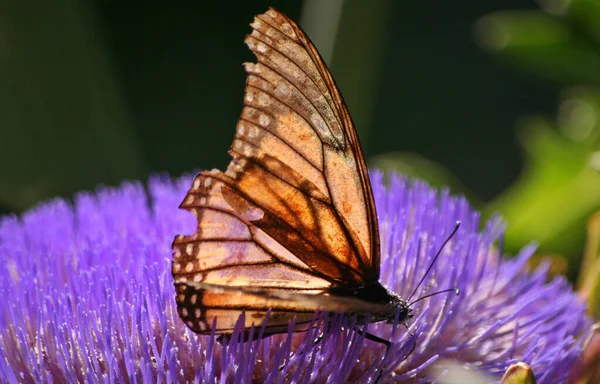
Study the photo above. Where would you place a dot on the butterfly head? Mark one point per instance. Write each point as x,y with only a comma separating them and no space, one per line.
400,306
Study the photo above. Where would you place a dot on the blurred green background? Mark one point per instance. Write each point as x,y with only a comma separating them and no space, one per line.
495,98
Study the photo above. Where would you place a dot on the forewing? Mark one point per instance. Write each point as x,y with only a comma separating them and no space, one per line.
295,132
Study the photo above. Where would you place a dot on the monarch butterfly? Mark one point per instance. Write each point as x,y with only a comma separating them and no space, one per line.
290,227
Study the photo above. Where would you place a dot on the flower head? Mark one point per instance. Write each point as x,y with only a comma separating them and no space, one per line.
88,296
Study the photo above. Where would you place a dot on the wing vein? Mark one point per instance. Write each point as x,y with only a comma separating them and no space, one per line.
267,62
290,228
279,137
250,225
328,203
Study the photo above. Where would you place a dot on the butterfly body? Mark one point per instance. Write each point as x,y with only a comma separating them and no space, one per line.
375,293
290,227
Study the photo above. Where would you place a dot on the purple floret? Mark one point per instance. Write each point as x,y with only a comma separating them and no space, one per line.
87,296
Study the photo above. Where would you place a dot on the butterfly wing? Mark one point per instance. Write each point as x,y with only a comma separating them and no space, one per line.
297,129
294,210
290,58
204,302
230,248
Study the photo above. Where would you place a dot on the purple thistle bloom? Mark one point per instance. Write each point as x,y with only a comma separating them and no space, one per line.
88,296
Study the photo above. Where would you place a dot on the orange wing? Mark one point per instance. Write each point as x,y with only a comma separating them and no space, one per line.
201,303
294,210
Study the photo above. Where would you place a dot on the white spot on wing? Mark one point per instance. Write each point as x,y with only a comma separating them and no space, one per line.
253,132
261,47
317,121
288,30
264,120
282,90
263,100
234,169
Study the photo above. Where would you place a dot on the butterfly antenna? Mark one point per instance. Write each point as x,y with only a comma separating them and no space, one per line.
432,263
455,290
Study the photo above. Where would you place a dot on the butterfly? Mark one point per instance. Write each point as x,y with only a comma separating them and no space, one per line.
290,227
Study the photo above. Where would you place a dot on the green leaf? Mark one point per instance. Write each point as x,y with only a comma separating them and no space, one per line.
588,283
585,13
556,193
541,44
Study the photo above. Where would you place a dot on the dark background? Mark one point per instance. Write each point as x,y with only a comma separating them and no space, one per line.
102,91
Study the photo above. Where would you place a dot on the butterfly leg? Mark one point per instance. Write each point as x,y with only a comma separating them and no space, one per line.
387,343
377,339
317,341
412,335
372,337
224,339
